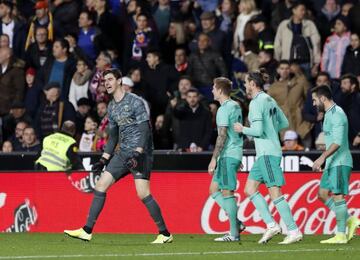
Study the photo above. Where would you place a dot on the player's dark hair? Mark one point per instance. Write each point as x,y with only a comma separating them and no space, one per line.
115,72
259,77
322,90
352,78
224,84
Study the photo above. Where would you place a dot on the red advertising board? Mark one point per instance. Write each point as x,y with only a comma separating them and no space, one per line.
52,202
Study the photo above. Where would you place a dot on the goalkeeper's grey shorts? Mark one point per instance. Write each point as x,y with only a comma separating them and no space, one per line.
118,169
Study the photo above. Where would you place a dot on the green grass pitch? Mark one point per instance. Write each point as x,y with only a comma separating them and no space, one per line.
114,246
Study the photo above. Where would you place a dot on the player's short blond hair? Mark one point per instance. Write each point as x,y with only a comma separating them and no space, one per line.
224,84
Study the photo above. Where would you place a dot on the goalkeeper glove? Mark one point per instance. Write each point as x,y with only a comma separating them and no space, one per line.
99,166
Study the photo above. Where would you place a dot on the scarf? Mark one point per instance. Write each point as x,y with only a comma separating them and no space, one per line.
31,35
80,79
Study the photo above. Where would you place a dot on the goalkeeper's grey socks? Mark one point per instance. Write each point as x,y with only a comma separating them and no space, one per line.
95,209
155,213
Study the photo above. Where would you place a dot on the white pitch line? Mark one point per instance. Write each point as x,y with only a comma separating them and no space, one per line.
182,253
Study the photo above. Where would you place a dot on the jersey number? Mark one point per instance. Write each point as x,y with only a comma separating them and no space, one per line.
272,114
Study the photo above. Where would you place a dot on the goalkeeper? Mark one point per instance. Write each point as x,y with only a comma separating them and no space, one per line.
130,127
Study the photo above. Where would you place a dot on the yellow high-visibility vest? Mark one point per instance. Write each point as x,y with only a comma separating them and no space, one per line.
53,155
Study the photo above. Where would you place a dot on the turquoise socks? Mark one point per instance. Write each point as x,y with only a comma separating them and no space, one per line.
330,204
341,213
231,209
218,197
284,210
229,205
260,204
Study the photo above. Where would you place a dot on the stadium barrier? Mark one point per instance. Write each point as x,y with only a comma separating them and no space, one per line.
177,161
52,202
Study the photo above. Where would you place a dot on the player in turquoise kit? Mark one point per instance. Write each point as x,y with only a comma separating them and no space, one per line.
227,157
266,120
338,164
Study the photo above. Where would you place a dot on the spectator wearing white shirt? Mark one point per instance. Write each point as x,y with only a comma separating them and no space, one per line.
14,28
79,86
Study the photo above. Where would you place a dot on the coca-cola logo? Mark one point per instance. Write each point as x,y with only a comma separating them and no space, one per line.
84,184
25,216
310,214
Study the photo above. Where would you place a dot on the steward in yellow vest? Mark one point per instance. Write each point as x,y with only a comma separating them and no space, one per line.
59,151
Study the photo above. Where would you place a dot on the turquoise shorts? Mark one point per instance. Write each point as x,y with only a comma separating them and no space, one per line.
336,179
225,173
266,169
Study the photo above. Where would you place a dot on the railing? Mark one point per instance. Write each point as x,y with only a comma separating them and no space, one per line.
177,161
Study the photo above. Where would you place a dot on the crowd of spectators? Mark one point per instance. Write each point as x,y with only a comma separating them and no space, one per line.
53,54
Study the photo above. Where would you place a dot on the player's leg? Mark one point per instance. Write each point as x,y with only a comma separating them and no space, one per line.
114,171
324,191
338,183
225,180
142,185
274,180
214,189
143,192
282,206
103,184
340,209
272,228
253,182
101,187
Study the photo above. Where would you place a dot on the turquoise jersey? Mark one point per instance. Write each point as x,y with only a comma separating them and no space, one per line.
228,114
266,120
336,128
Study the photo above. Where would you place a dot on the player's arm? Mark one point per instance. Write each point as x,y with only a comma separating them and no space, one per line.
112,141
338,137
144,129
135,160
142,118
219,146
320,161
256,128
222,121
282,120
220,141
256,124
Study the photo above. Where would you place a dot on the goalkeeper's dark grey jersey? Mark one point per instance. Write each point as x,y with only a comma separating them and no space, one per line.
126,115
